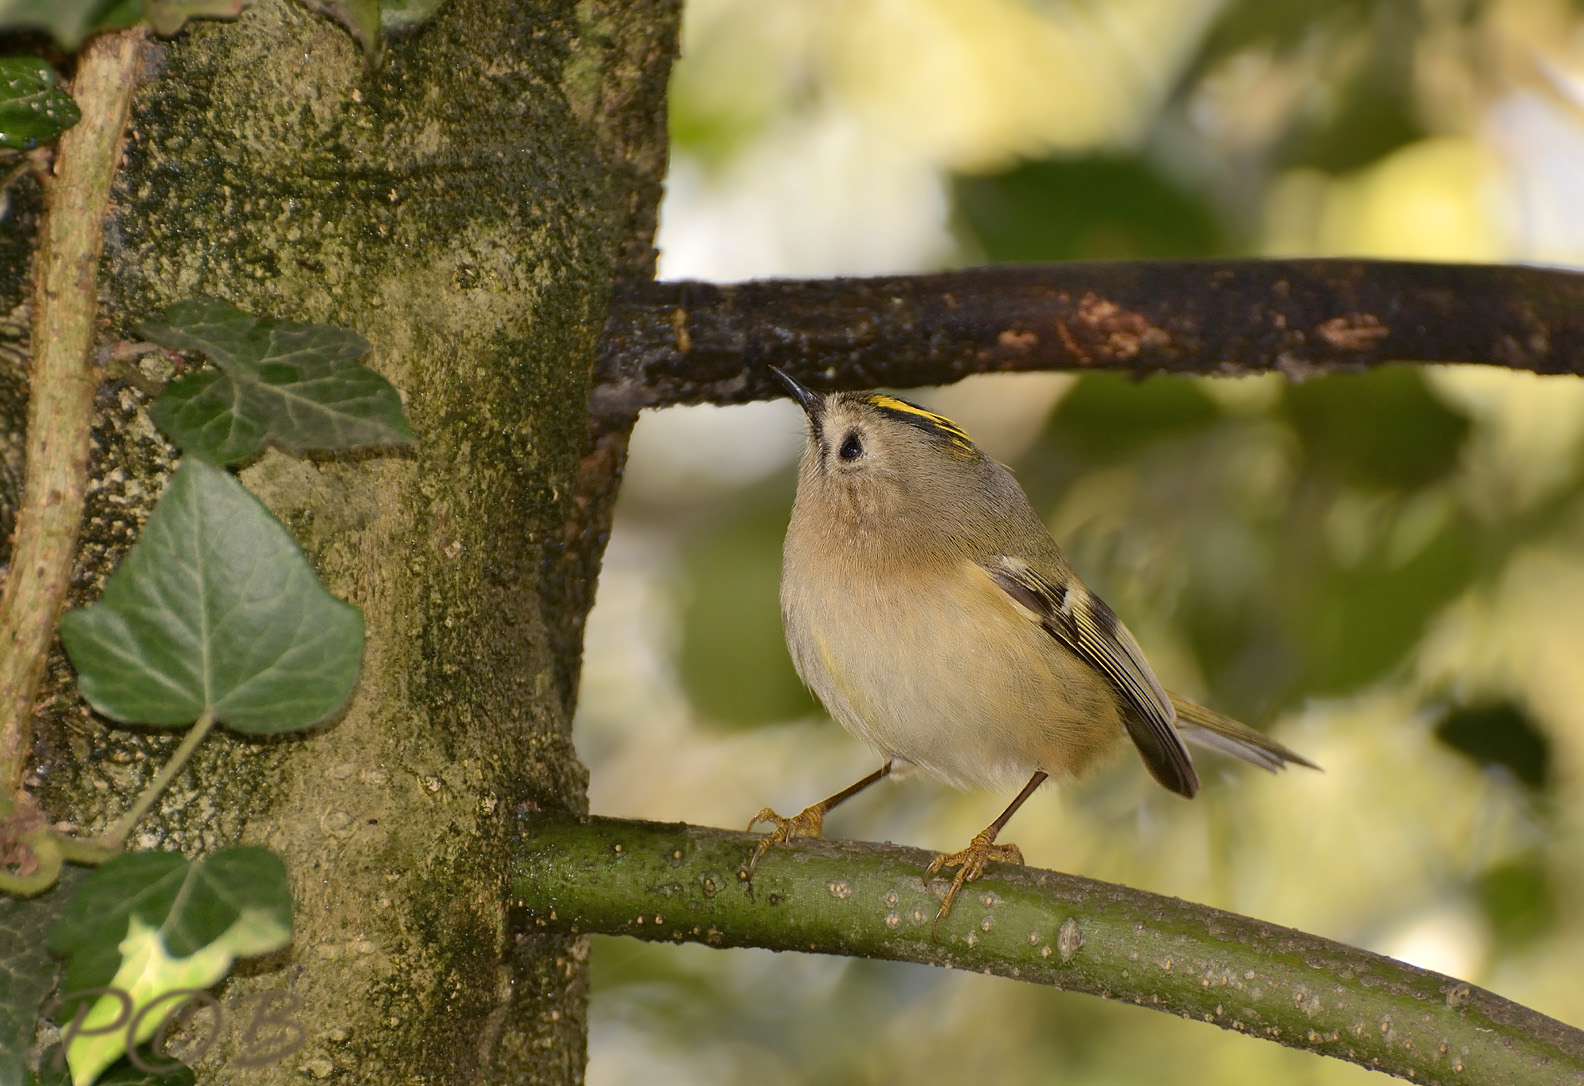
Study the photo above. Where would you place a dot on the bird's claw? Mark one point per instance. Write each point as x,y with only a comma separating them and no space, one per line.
809,822
970,864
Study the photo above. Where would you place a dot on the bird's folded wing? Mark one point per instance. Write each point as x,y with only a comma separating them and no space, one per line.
1082,622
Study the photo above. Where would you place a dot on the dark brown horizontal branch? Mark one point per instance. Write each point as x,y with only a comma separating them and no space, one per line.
678,883
687,342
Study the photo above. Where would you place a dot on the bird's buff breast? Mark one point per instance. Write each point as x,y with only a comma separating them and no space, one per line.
946,673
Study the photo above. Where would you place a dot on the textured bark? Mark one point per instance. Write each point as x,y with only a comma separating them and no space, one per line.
61,386
686,342
467,207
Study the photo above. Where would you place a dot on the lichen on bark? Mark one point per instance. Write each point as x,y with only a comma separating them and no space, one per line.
466,207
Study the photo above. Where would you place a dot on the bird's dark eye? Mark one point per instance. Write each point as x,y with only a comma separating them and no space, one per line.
851,447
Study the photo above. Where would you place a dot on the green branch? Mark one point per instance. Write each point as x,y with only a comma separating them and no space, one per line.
679,883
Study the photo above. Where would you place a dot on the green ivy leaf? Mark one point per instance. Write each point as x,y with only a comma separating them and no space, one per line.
296,386
27,969
52,1071
149,924
70,21
169,16
397,14
360,17
126,1073
67,21
123,1072
33,107
215,608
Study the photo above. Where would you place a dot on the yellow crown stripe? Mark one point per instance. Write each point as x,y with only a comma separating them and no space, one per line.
939,422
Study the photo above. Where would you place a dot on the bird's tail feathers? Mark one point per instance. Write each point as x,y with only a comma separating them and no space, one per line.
1209,729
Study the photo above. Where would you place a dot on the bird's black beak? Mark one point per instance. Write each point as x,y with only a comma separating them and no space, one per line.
812,403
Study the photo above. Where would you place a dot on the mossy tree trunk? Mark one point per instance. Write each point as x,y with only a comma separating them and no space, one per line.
467,207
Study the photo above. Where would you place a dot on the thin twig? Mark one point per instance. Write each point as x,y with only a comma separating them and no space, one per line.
678,883
60,406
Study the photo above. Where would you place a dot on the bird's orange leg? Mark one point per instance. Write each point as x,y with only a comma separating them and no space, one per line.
809,822
970,862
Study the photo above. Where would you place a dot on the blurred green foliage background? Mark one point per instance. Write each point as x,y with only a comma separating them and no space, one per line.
1385,569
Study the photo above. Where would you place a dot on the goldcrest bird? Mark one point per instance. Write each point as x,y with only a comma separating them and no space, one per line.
929,609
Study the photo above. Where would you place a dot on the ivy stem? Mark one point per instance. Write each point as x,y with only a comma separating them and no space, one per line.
45,845
29,164
117,837
62,383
